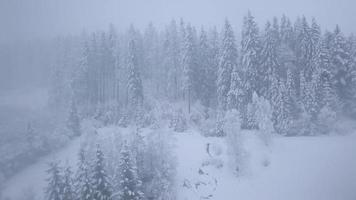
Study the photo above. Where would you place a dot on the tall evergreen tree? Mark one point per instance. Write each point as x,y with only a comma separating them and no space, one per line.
134,84
206,68
171,56
73,121
227,63
68,185
269,61
130,188
278,102
83,184
250,55
286,31
190,67
54,190
100,181
341,60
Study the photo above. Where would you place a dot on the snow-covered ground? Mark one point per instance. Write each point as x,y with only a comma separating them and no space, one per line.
300,168
33,178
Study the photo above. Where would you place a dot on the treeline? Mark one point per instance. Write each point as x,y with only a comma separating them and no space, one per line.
307,76
134,169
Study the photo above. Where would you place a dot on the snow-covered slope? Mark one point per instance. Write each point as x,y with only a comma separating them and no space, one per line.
293,168
33,178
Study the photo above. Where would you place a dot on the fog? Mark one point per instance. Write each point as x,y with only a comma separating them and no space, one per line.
177,99
27,19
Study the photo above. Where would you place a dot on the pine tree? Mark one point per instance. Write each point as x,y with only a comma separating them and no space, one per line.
80,78
315,35
73,121
115,63
291,99
83,185
54,190
304,45
269,64
100,181
134,82
190,67
151,51
171,62
206,68
286,31
278,103
250,56
93,71
212,73
227,63
30,135
327,93
341,60
130,185
68,185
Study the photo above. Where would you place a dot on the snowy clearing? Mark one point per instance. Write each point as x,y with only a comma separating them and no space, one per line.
297,168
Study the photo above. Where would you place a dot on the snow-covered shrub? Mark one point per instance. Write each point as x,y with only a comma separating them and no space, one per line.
178,122
59,137
301,126
326,120
215,162
251,122
208,127
212,127
263,116
73,121
159,166
198,114
234,139
123,121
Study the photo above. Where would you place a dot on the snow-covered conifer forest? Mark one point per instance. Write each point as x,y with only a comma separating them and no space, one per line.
243,109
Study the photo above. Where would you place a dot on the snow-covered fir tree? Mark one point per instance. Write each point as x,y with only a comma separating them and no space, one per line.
191,71
269,61
130,185
227,63
100,182
206,69
54,189
134,81
286,31
73,121
83,183
68,185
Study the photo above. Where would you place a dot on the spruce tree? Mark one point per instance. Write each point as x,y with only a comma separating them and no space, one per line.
100,181
171,62
130,185
206,68
279,116
269,64
80,78
341,60
83,184
68,185
250,56
227,63
134,82
54,190
73,121
30,135
191,79
286,31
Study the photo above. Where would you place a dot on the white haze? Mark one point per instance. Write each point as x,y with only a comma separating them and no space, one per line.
27,19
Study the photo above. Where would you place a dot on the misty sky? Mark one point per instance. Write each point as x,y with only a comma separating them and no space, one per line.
24,19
